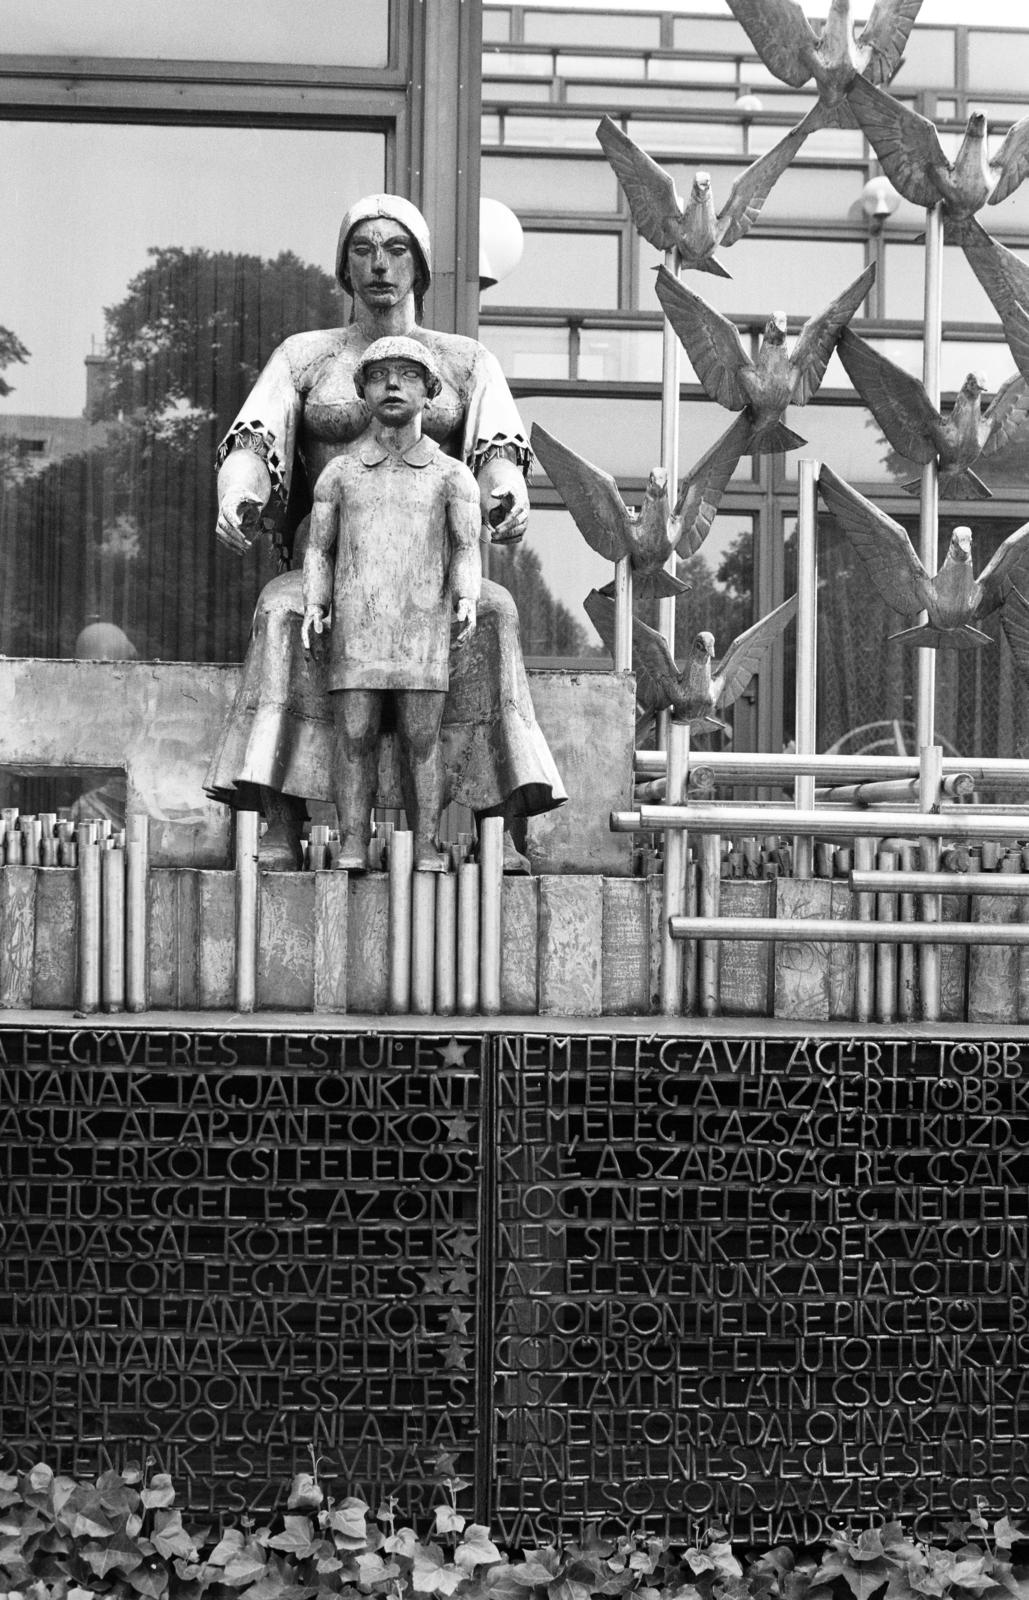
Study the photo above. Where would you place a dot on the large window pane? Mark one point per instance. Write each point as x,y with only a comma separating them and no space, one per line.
592,28
336,33
797,276
997,60
624,436
929,59
525,183
565,269
148,286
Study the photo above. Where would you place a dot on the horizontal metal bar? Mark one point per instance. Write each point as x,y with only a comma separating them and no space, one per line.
1013,883
732,766
823,930
892,791
784,819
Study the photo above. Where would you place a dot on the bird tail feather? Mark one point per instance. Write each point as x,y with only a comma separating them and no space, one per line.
926,637
771,438
710,264
963,485
658,584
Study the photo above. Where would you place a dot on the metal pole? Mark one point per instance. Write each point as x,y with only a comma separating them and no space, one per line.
491,881
826,930
709,900
248,824
468,938
137,843
671,358
446,943
623,615
731,766
864,979
89,917
112,894
738,820
807,649
674,886
401,871
423,941
930,758
929,518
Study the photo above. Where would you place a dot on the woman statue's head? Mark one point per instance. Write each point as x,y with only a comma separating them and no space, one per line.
367,217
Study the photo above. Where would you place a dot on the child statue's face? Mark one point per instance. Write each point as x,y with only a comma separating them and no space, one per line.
395,391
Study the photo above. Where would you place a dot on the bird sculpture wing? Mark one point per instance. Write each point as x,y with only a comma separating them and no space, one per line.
781,35
1005,277
1007,569
1014,619
1007,414
897,401
649,189
589,492
745,655
752,188
701,490
885,551
1011,163
886,35
709,339
658,682
819,336
906,143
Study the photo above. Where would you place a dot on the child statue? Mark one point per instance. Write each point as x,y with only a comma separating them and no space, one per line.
394,550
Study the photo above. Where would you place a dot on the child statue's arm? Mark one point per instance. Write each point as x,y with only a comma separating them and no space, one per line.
318,558
465,573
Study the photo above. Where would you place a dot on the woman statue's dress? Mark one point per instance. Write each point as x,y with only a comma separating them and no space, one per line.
301,412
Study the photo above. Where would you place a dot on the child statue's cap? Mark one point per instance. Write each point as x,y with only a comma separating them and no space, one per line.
395,347
397,209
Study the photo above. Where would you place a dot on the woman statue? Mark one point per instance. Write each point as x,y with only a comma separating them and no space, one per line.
276,748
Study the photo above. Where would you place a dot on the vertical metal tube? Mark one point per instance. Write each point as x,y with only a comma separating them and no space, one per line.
89,918
671,363
623,616
886,955
930,773
446,943
709,897
468,938
137,849
401,871
807,650
906,964
929,515
247,881
491,884
864,954
112,923
423,942
674,888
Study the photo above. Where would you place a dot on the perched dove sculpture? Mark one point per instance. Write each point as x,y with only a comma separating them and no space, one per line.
835,55
696,229
702,688
647,536
912,157
954,599
764,386
919,432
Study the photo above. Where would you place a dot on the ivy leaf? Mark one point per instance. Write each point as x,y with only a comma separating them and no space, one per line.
347,1521
230,1542
150,1580
160,1493
117,1554
170,1537
373,1572
403,1543
305,1493
430,1574
476,1547
242,1568
273,1586
448,1520
115,1494
298,1537
1005,1533
566,1589
75,1593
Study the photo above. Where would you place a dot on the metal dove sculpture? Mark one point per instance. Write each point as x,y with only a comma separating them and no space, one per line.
693,230
764,386
912,157
696,693
1005,278
919,432
647,536
835,56
954,599
1014,619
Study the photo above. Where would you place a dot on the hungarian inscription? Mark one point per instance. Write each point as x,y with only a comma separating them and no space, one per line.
219,1249
784,1286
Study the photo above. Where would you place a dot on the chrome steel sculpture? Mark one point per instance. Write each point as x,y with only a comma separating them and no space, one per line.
702,688
694,229
763,386
918,431
955,598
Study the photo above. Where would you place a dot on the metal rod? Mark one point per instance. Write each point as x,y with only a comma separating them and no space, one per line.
112,918
401,871
819,929
248,825
468,938
954,785
929,515
446,943
137,852
709,868
864,974
89,918
743,819
491,884
730,766
942,883
671,361
930,773
885,954
907,965
623,615
807,650
423,942
676,856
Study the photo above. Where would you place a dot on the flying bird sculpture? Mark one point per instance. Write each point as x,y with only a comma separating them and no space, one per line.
702,688
694,230
919,432
912,157
647,536
763,386
834,53
1014,619
1005,278
954,599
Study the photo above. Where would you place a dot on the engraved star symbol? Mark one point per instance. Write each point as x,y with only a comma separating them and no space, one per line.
452,1054
458,1128
457,1321
460,1281
464,1243
434,1281
456,1355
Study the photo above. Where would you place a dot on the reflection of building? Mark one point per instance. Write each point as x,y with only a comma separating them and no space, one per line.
37,442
